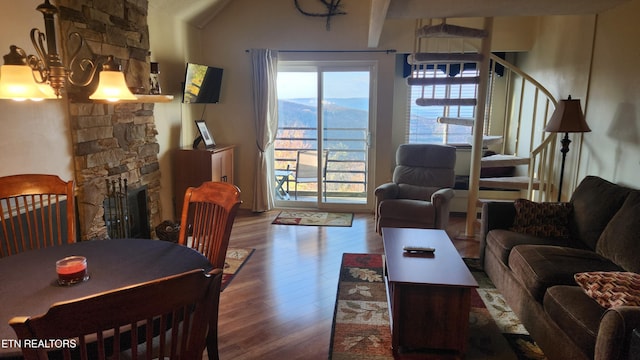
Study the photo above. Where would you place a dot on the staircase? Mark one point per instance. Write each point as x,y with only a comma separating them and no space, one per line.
510,112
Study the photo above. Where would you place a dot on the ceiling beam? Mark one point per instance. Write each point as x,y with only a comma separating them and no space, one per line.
378,14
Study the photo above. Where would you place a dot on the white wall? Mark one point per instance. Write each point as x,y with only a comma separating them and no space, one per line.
246,24
37,138
173,42
35,135
612,150
595,60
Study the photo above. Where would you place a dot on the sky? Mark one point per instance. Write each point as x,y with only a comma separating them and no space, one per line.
351,84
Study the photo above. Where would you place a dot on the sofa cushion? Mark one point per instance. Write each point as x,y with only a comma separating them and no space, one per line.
611,288
500,242
539,267
620,240
595,201
575,313
545,219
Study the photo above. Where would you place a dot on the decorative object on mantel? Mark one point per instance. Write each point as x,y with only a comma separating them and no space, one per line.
27,76
567,118
154,79
333,8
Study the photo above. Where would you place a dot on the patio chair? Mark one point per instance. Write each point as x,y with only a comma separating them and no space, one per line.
307,170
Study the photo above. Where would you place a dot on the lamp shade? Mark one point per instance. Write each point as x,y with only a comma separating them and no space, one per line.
17,83
568,118
112,87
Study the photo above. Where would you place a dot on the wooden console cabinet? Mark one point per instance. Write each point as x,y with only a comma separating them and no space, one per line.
192,167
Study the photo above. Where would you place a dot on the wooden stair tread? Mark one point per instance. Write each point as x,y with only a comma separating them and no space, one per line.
456,121
500,160
511,182
449,30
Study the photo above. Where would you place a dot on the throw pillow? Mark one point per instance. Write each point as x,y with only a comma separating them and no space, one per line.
611,288
545,219
619,241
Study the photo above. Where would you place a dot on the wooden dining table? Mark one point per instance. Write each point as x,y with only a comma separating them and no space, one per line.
28,281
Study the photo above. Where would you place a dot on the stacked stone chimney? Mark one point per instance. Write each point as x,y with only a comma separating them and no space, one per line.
111,141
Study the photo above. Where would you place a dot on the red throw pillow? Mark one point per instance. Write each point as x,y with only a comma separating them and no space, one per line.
547,219
611,288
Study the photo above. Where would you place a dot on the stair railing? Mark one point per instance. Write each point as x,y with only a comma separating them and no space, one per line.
542,157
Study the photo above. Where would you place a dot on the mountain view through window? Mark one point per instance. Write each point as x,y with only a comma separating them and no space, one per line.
339,116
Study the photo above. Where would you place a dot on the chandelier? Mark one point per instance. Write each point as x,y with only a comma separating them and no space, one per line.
44,76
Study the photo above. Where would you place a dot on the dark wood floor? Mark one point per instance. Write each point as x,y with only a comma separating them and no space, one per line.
281,303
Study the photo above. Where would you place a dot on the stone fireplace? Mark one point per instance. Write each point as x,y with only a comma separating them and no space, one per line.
112,141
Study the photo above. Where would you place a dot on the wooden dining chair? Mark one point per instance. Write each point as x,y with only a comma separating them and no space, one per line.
167,318
208,213
36,211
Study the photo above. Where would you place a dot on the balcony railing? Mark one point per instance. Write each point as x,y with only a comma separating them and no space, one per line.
346,170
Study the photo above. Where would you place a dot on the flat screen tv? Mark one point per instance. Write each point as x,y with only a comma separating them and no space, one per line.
201,84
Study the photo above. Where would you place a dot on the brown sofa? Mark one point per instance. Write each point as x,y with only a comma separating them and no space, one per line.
535,272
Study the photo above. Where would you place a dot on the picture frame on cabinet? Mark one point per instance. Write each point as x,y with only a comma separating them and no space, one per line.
205,135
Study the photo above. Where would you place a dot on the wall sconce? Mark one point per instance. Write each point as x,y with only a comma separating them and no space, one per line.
43,76
567,118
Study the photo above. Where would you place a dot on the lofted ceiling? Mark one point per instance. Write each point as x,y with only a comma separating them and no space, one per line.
200,12
424,9
197,13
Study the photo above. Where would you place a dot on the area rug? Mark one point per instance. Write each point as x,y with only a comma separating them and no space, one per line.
361,327
314,218
234,260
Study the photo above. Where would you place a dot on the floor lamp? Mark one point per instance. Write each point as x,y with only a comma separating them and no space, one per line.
567,118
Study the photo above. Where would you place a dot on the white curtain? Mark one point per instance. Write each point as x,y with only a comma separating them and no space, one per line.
265,107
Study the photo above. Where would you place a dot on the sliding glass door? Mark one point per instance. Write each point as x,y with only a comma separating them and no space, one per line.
322,146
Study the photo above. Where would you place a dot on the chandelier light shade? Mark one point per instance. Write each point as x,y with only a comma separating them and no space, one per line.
112,86
44,75
567,118
16,83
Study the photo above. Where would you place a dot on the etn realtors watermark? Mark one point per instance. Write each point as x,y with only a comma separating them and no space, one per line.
52,344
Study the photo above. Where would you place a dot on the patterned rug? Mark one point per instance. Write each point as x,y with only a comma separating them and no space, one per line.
235,258
361,327
314,218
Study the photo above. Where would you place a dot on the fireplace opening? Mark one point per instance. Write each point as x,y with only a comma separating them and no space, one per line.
126,211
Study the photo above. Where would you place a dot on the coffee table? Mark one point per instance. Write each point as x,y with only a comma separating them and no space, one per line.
429,295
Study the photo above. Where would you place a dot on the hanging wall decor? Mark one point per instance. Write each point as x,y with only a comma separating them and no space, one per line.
333,8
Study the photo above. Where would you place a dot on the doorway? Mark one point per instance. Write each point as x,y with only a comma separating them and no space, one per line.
322,145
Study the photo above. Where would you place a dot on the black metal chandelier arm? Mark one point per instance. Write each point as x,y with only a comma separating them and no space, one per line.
38,39
88,67
40,73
